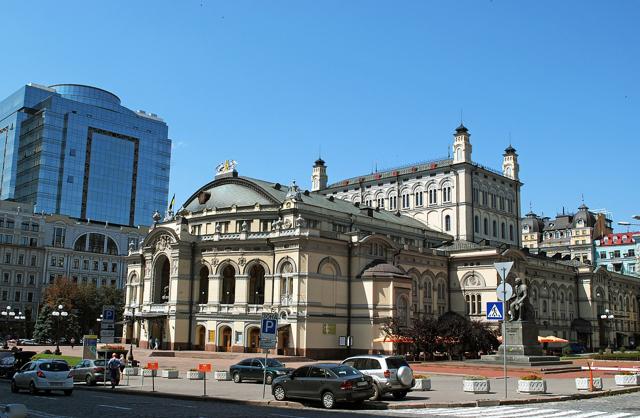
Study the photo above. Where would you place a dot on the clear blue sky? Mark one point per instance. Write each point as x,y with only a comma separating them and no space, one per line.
268,82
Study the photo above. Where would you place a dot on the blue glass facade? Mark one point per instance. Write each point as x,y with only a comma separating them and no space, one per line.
75,150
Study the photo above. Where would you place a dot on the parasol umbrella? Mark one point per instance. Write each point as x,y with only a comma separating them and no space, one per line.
552,339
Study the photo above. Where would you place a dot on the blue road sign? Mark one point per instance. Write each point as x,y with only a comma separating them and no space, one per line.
495,311
108,314
269,326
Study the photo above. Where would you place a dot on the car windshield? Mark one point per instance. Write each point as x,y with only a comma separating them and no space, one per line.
396,362
54,366
344,370
273,363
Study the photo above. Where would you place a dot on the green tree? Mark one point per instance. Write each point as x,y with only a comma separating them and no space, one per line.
424,331
51,327
453,331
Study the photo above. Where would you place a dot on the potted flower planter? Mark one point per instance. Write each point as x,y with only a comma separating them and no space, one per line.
476,384
627,379
149,372
195,375
169,373
582,383
532,384
422,382
222,375
131,371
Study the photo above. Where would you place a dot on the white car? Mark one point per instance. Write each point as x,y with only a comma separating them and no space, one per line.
44,375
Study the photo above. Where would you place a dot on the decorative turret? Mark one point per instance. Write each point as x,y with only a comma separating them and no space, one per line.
461,145
319,176
510,166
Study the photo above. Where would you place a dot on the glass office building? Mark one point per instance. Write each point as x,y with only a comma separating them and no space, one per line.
75,150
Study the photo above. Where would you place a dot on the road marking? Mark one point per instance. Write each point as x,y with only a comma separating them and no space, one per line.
45,397
512,411
283,415
116,407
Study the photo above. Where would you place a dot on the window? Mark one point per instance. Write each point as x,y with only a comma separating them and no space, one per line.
6,277
32,279
58,237
20,259
405,201
105,266
85,264
447,223
17,296
476,224
76,263
96,243
511,232
30,297
53,262
33,242
60,261
380,202
433,195
486,226
418,199
95,266
5,295
10,223
503,230
393,202
114,268
8,239
19,278
446,194
494,225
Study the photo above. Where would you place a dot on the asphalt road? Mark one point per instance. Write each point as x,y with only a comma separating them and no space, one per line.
92,403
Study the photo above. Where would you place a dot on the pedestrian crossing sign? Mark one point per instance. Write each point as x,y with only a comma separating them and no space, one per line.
495,311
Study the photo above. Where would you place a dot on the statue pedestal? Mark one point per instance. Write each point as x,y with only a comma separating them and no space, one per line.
522,347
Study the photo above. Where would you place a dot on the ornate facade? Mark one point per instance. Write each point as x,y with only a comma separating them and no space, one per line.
332,268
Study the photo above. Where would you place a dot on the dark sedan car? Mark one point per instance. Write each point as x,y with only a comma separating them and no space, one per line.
252,369
328,383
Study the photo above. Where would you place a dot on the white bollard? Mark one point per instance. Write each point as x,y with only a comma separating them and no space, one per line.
15,410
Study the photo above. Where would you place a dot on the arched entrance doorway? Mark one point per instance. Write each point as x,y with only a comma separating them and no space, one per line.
253,340
284,336
224,340
161,280
200,337
156,334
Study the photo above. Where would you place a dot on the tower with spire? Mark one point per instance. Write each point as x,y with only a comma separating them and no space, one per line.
510,166
461,145
319,175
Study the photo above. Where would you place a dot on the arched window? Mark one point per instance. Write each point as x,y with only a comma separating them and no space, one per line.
433,195
468,300
228,285
544,306
476,224
486,226
479,304
446,193
161,280
503,230
203,294
286,283
494,225
447,223
406,200
418,197
256,285
511,232
459,154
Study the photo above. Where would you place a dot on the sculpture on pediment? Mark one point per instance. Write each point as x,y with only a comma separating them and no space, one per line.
294,192
300,222
162,243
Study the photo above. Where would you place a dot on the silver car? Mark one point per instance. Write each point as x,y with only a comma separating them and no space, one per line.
391,374
44,375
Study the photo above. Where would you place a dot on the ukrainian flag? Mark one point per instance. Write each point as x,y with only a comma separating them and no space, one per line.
173,200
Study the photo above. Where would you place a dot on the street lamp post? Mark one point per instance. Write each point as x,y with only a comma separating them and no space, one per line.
59,313
608,316
9,315
131,319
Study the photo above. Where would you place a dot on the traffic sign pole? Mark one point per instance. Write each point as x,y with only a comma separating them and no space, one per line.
264,376
503,271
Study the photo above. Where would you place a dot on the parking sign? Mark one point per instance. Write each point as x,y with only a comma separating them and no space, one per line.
268,330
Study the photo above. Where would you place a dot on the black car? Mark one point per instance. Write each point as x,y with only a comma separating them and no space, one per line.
328,383
252,369
13,362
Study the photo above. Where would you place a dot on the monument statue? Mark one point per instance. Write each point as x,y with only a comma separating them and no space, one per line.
519,310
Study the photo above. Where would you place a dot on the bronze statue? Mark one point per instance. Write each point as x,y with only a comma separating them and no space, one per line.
519,307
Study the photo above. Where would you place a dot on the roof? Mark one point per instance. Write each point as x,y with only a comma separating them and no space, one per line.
510,150
622,238
534,223
461,128
246,192
384,268
463,245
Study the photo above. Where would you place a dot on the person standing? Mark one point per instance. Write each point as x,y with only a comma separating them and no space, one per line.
114,370
73,342
123,363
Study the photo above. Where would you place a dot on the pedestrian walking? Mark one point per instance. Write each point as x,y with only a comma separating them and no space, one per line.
155,347
123,363
73,342
114,370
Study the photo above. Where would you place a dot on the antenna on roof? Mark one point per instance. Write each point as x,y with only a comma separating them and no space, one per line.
461,116
509,138
319,152
530,207
376,165
582,197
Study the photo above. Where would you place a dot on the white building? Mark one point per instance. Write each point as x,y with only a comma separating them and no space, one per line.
454,195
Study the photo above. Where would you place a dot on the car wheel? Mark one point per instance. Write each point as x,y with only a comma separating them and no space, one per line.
399,395
328,400
68,392
279,393
89,380
33,389
269,379
14,387
237,378
376,393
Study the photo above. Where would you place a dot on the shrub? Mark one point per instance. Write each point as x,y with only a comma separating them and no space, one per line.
566,351
623,349
617,356
626,373
531,377
471,377
600,351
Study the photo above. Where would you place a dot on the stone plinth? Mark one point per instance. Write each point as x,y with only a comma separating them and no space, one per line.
522,347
